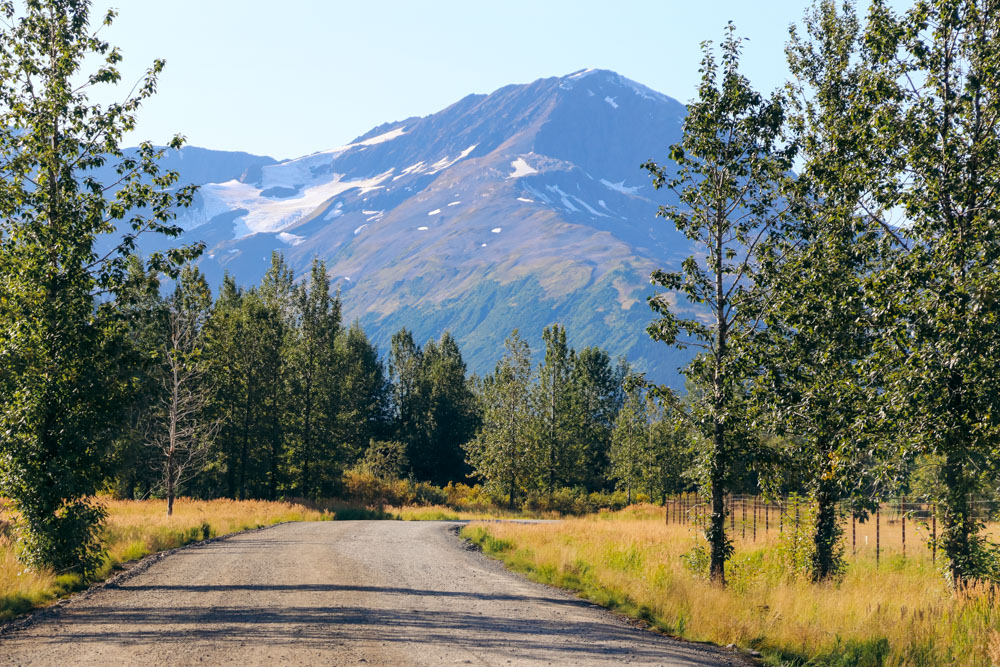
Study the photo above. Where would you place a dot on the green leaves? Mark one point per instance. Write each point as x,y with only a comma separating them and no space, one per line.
727,175
65,373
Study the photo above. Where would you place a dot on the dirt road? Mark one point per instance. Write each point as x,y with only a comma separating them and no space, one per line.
353,592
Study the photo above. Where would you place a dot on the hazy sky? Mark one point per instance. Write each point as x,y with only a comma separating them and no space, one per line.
296,76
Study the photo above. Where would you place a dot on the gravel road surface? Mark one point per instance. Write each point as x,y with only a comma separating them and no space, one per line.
332,593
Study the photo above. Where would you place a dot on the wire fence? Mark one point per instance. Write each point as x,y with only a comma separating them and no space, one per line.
887,528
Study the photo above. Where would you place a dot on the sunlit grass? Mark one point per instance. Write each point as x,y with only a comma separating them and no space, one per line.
135,529
445,513
899,613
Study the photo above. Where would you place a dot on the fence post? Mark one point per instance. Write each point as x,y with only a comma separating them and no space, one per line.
781,514
934,533
796,542
767,516
743,518
902,511
878,507
755,503
854,534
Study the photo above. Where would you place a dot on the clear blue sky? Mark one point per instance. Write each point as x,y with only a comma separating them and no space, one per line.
292,77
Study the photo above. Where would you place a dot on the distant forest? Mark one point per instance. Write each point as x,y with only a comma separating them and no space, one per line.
264,392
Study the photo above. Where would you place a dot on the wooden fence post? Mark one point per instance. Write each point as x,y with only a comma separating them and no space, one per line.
934,533
743,518
854,534
796,522
902,511
878,507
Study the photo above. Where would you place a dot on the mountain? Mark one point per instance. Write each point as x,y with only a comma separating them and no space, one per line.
520,208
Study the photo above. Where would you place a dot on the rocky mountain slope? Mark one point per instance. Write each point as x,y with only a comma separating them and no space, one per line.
519,208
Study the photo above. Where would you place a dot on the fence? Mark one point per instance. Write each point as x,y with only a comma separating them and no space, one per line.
752,517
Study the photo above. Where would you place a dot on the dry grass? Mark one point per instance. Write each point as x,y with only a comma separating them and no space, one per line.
900,613
445,513
135,529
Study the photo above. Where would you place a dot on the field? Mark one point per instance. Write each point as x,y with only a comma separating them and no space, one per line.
135,529
897,612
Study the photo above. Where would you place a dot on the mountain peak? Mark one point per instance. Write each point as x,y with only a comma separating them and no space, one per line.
599,77
521,208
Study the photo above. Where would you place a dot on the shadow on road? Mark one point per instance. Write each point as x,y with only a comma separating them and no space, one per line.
326,627
337,588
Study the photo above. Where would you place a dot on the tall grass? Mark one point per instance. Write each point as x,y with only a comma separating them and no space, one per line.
899,613
135,529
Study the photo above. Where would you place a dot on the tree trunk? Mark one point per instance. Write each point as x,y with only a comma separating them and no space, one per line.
170,485
826,534
716,532
957,522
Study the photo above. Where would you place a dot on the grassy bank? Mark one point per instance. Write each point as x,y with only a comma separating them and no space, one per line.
899,613
135,529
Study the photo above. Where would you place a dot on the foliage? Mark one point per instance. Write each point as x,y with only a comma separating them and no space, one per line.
813,389
930,100
729,166
61,381
384,459
501,454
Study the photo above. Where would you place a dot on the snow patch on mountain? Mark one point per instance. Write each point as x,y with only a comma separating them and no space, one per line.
521,168
272,215
382,138
446,162
610,100
621,187
563,196
290,239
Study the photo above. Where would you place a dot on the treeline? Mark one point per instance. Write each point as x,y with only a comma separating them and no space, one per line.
263,392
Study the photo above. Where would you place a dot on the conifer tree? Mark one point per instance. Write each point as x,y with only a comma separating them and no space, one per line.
629,455
364,410
317,315
449,419
405,362
557,451
597,396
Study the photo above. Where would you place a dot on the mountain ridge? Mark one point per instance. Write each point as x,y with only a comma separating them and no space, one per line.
518,208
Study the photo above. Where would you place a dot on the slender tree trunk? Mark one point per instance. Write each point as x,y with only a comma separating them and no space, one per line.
826,533
717,524
957,522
